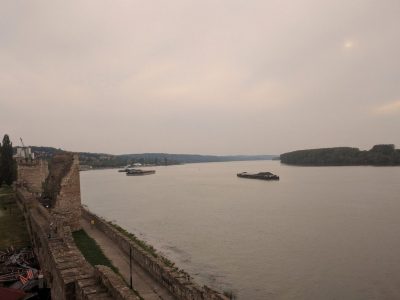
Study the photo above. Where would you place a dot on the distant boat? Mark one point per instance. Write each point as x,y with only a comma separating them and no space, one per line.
261,175
125,169
138,172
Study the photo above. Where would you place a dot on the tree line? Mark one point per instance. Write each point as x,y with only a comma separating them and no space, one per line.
8,168
103,160
378,155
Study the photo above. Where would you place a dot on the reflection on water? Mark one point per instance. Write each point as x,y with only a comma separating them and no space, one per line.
318,233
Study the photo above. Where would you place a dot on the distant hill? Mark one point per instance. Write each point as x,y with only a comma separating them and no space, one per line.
379,155
102,160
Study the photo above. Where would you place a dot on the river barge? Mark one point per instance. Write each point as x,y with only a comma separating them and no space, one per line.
138,172
261,175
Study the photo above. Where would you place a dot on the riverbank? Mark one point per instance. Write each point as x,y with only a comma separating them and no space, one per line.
164,277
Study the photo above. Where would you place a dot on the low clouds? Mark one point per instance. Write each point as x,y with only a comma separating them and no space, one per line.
218,77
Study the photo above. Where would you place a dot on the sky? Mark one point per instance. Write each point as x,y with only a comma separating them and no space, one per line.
207,77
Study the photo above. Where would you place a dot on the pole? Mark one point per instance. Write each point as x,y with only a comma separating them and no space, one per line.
130,266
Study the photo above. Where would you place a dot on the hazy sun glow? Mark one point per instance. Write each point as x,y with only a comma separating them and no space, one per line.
349,44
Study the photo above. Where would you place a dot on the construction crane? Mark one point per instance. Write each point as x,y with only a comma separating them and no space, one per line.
25,149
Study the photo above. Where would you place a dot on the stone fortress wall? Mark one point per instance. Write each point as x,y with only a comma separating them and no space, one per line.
65,269
32,174
49,195
62,189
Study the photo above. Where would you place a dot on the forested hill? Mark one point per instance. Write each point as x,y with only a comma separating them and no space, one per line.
379,155
102,160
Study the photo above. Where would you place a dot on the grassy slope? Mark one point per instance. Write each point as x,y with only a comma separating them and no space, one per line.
13,230
91,251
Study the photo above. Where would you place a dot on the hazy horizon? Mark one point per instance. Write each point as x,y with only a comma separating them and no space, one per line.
210,77
179,153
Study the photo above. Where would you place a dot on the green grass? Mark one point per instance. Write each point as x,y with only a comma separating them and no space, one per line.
94,255
13,230
91,251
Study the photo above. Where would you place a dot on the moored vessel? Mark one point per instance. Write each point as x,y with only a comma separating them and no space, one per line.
125,169
260,175
139,172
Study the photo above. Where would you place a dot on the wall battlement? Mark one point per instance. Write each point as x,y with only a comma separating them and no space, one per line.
32,174
57,182
49,196
62,189
66,271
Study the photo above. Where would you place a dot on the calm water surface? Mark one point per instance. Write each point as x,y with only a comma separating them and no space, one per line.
318,233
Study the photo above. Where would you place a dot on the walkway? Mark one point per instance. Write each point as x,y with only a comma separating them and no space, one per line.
147,287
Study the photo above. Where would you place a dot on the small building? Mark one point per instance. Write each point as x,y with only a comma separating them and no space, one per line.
24,153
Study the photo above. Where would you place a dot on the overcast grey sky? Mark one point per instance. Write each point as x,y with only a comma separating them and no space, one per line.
206,76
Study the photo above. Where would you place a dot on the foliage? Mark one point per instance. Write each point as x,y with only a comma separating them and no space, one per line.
93,253
90,250
7,163
230,294
379,155
102,160
1,174
13,230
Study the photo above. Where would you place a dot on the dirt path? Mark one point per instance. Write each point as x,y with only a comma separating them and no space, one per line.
147,287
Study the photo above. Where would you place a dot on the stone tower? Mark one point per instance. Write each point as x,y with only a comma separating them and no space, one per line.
62,193
32,174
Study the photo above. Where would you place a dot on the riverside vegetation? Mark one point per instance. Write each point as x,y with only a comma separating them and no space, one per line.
379,155
94,255
102,160
8,166
90,250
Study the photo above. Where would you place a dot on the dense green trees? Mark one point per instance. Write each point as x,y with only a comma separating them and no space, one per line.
7,163
379,155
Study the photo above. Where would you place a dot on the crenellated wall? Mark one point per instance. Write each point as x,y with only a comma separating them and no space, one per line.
49,196
67,201
61,189
58,183
32,174
65,269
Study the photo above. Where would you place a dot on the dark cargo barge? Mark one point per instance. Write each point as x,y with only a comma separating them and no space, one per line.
261,175
138,172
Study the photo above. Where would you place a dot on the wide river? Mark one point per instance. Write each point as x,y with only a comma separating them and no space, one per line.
318,233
